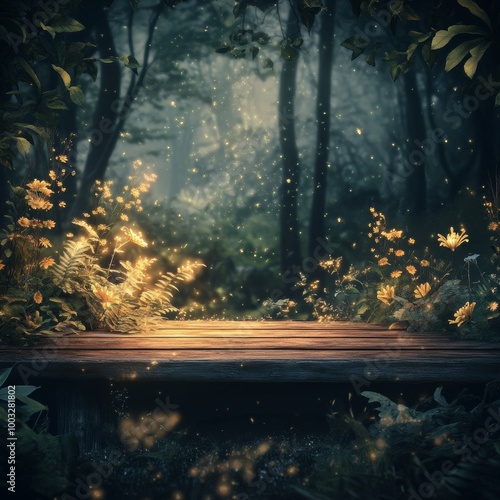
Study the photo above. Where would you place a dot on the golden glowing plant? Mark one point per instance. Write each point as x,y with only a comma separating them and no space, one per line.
386,294
463,315
422,290
453,240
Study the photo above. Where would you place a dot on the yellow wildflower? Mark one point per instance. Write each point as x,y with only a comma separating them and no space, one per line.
106,295
119,199
62,158
135,237
392,234
399,253
24,222
425,263
135,192
493,226
493,306
452,239
44,242
396,274
124,217
386,295
49,224
463,315
411,241
38,297
2,265
42,187
52,175
37,202
422,290
62,204
383,262
411,269
102,227
46,262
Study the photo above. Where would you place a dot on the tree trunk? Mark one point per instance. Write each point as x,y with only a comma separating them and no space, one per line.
289,224
111,114
323,115
415,203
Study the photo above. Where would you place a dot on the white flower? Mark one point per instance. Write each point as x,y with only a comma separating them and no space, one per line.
471,258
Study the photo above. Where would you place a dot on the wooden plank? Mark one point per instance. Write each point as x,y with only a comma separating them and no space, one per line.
256,343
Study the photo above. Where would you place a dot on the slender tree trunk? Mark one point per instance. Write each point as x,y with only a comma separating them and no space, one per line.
104,120
323,116
111,114
415,203
289,223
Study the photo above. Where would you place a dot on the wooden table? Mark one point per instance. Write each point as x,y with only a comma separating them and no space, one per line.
279,351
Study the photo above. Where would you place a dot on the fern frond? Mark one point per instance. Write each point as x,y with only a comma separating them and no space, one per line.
71,262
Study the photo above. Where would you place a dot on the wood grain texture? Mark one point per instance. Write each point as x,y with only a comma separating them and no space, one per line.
261,351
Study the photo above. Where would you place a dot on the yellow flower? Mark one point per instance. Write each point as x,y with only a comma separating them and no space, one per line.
62,158
372,210
463,315
124,217
135,237
493,306
396,274
2,265
392,234
40,187
425,263
105,295
383,262
422,290
493,226
411,270
119,199
46,262
38,297
62,204
102,227
135,192
44,242
24,222
37,202
399,253
386,295
52,175
453,240
411,241
49,224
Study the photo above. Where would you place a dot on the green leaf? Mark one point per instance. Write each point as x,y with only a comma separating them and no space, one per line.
34,128
4,375
268,63
224,49
31,73
76,95
442,37
458,53
23,145
497,100
261,38
64,75
107,60
356,7
240,8
254,51
475,10
477,54
8,251
308,9
420,37
48,29
430,56
289,54
66,25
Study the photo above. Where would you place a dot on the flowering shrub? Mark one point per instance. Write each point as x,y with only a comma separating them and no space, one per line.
87,281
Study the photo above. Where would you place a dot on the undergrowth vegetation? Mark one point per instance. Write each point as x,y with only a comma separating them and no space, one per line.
92,278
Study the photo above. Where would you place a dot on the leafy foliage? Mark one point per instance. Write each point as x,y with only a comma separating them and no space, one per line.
90,284
401,448
44,462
